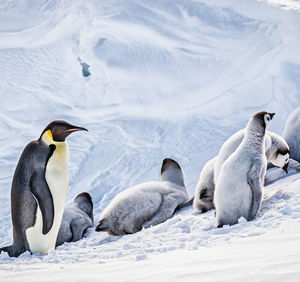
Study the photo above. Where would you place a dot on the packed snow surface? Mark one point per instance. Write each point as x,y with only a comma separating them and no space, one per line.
150,80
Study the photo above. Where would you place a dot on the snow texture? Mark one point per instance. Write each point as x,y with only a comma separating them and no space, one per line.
172,78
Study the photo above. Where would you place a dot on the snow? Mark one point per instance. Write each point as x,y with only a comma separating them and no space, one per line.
172,78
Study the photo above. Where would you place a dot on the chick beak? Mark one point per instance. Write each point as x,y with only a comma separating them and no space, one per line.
285,168
272,115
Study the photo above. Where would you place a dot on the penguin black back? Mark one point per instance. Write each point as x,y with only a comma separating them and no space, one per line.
30,170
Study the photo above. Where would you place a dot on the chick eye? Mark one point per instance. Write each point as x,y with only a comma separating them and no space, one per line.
268,118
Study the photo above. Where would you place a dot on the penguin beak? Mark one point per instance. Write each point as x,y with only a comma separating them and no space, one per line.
285,168
271,115
76,128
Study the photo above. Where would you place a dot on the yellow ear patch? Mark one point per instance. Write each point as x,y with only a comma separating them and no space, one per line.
47,137
50,134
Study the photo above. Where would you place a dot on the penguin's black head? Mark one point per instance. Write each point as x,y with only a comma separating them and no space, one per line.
263,118
167,163
59,130
85,203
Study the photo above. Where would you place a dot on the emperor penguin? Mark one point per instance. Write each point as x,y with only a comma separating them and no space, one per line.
276,149
146,204
39,190
277,153
239,187
77,218
291,133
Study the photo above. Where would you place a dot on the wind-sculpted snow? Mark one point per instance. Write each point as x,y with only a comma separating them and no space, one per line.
166,79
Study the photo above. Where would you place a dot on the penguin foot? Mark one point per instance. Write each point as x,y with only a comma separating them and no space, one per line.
13,251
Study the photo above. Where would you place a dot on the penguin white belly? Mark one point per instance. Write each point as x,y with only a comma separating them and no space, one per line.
241,201
233,195
57,179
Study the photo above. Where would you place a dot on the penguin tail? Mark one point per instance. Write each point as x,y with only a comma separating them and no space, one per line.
12,250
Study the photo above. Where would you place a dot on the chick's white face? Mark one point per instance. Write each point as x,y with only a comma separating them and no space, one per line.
282,160
267,118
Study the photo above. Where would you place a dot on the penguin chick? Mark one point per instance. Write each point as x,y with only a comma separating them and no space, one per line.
291,133
146,204
239,187
77,218
277,153
204,193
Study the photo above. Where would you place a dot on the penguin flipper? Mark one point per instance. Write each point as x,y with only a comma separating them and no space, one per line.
78,227
255,176
40,189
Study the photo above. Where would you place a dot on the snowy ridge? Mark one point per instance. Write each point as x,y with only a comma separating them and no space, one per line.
168,79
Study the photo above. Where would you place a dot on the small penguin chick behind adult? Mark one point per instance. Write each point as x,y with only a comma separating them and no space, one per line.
39,190
77,218
291,133
277,152
204,193
146,204
239,186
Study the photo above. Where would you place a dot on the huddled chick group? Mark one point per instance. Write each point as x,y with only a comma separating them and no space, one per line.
232,183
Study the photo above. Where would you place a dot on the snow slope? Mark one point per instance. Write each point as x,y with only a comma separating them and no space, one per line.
170,78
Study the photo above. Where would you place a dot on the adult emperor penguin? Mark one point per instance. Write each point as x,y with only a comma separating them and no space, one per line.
277,153
146,204
77,218
39,190
239,186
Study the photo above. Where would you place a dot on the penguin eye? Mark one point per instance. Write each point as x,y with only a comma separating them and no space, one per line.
268,118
